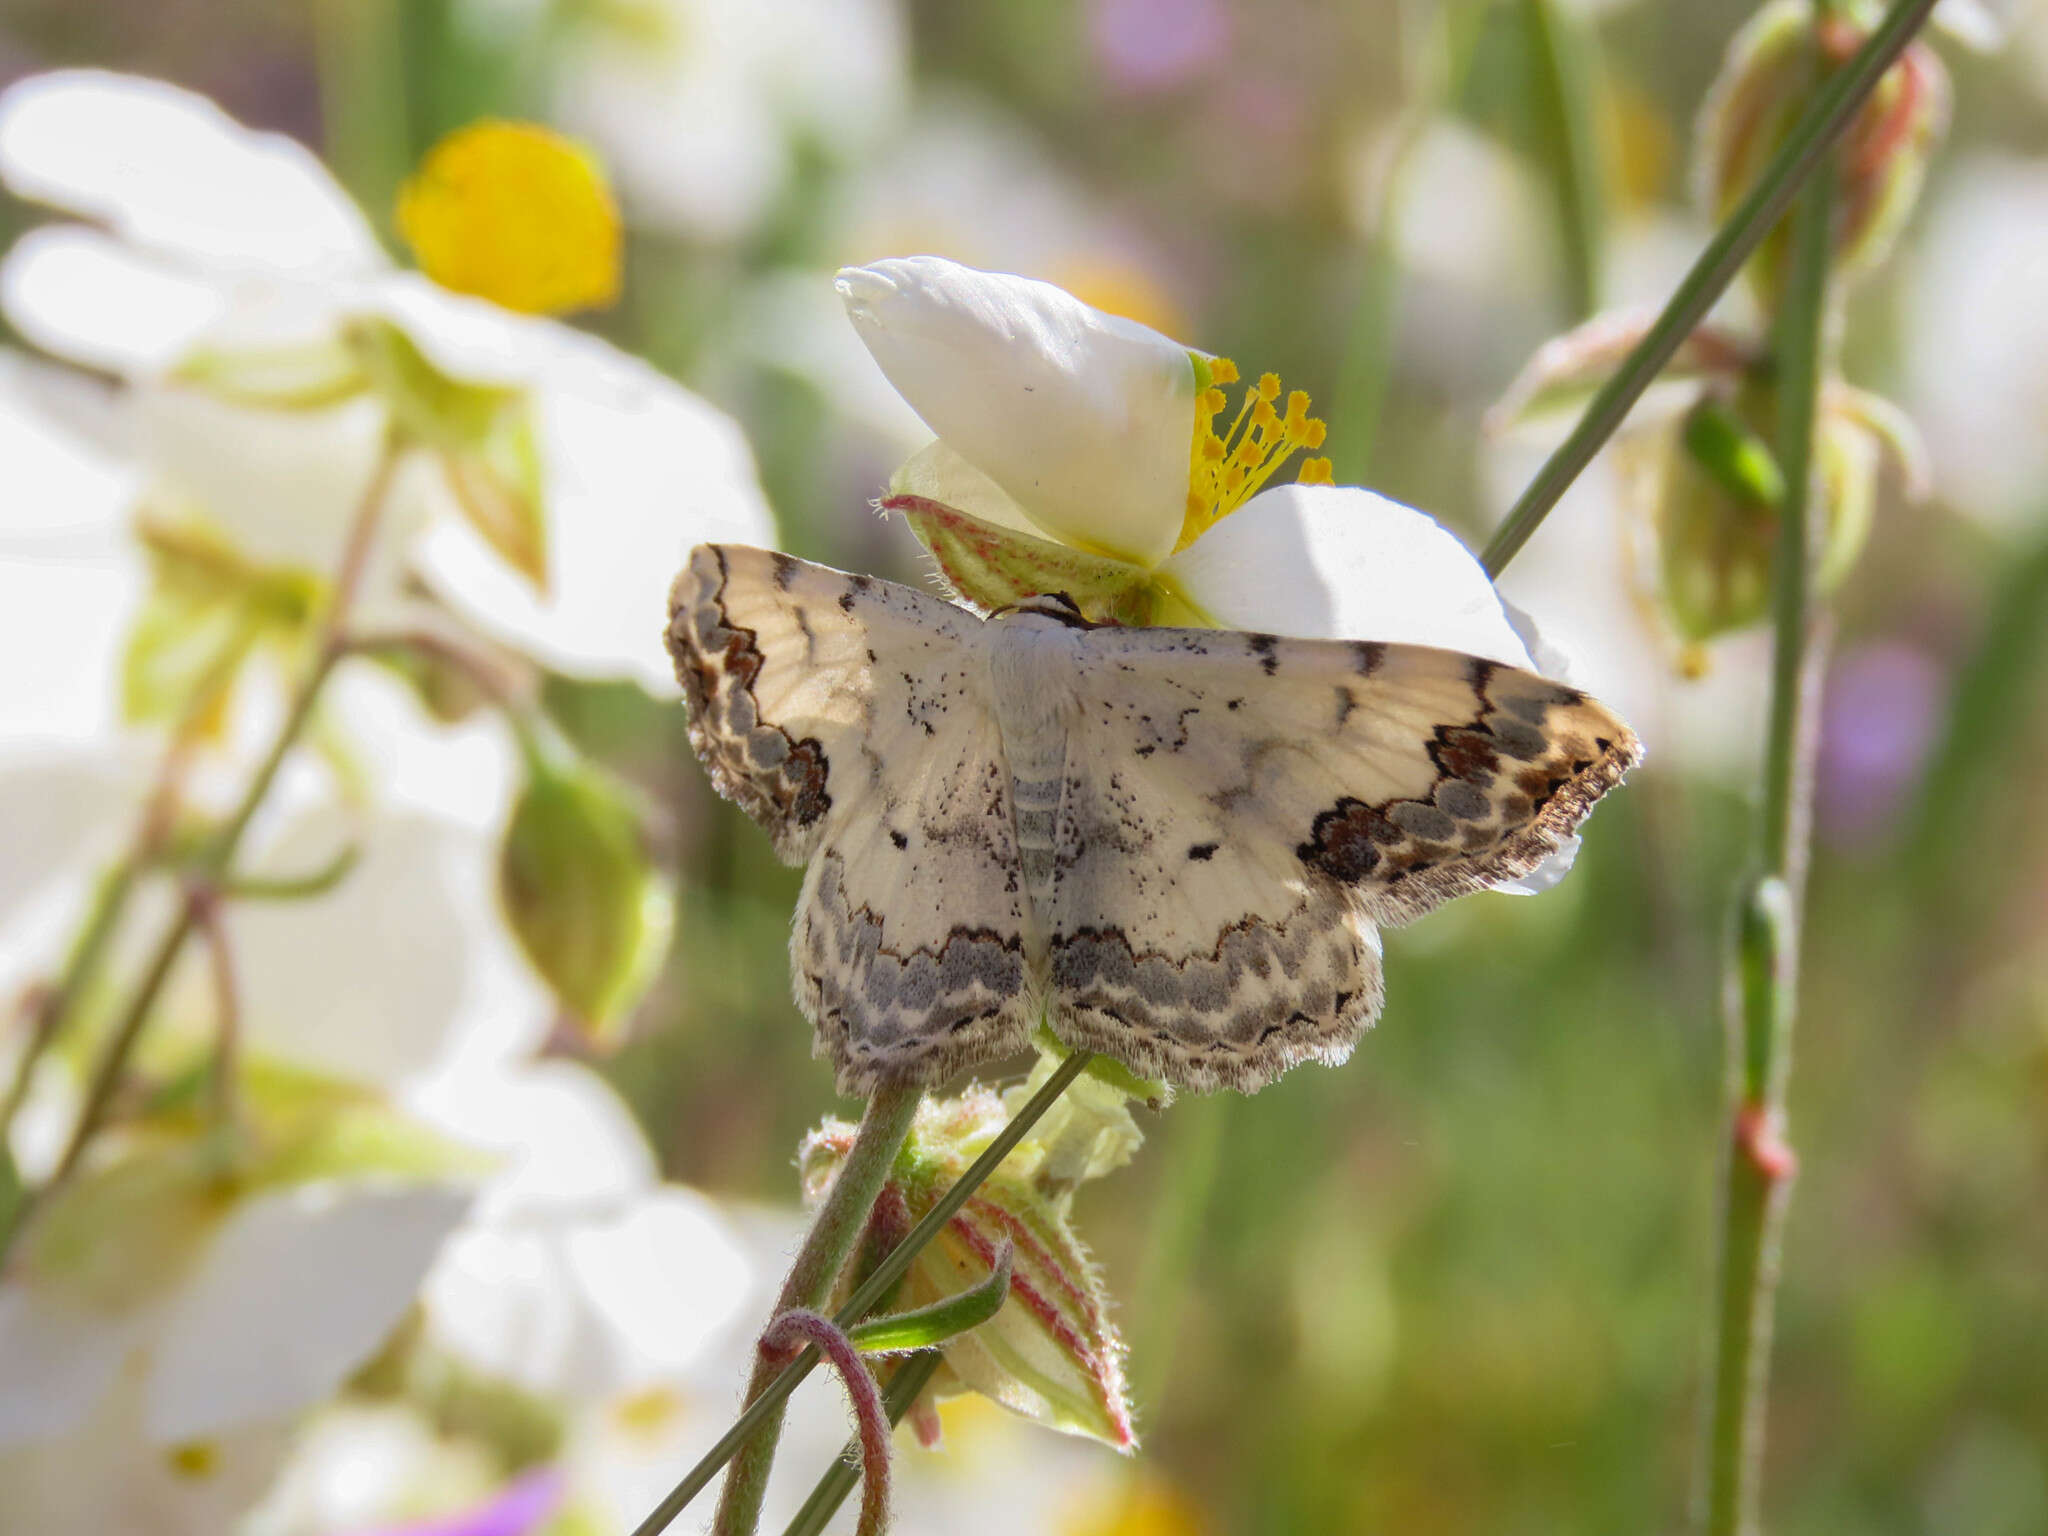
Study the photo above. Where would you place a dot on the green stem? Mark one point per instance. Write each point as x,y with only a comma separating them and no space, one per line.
53,1009
843,1474
211,869
1562,65
1818,128
870,1291
841,1217
1366,369
1760,1163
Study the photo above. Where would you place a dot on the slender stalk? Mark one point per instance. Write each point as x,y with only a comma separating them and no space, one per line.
1365,369
870,1291
54,1007
839,1478
211,868
834,1230
1833,108
1561,64
205,905
1760,1163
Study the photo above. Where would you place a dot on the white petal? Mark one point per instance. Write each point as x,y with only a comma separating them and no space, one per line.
110,1476
67,440
78,294
284,486
1547,874
464,774
402,968
693,146
67,602
1086,419
1976,342
668,1276
1337,561
638,470
57,1360
299,1288
591,1305
565,1139
169,169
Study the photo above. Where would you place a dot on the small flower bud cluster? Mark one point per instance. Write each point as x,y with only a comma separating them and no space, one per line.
1052,1352
1768,79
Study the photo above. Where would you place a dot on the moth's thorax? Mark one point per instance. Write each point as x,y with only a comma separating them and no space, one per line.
1033,659
1031,662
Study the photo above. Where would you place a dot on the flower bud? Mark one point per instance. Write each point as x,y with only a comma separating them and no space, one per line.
1051,1352
581,895
1715,488
1768,79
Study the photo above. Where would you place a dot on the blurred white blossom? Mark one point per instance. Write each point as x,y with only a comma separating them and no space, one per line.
225,283
706,107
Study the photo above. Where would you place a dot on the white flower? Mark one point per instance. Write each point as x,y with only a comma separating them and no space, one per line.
1078,429
232,265
1976,341
702,104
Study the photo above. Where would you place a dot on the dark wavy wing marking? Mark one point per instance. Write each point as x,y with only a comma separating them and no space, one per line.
848,717
1249,808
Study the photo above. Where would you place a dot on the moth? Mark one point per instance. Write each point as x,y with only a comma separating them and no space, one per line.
1175,845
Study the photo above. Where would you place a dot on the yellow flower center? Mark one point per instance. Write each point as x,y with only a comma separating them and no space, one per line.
1226,469
194,1460
517,214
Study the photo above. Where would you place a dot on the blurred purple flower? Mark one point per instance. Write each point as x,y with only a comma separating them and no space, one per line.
520,1508
1155,45
1883,706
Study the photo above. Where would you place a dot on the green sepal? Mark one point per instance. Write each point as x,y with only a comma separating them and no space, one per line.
996,567
924,1326
306,376
208,609
483,435
1566,371
583,899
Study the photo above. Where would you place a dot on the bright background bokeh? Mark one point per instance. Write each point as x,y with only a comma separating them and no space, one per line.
1462,1284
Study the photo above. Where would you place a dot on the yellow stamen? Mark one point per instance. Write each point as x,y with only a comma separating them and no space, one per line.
516,214
1226,469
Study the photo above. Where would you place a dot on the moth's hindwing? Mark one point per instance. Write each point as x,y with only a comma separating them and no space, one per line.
1242,811
849,718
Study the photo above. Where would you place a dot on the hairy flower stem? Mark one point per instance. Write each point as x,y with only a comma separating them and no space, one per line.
870,1291
841,1217
908,1380
211,868
1765,963
1833,108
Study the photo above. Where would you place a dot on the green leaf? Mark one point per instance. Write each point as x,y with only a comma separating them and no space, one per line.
924,1326
584,901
